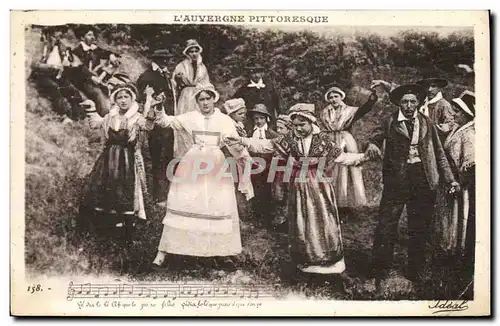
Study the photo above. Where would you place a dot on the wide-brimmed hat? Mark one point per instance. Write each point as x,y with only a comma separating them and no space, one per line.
192,43
260,108
466,102
305,110
285,119
234,105
162,54
440,82
122,78
206,88
81,30
396,95
130,87
335,89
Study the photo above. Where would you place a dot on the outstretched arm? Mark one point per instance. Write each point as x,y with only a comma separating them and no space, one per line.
258,145
367,107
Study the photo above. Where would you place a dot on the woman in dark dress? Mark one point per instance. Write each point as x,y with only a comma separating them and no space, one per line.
117,183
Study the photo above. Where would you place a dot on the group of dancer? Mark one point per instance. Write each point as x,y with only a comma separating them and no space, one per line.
426,146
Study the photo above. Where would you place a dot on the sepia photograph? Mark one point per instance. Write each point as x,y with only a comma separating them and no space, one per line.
182,167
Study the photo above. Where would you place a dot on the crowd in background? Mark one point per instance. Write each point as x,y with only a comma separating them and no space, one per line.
426,148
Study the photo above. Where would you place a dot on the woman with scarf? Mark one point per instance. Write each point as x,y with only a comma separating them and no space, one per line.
202,216
187,75
117,183
314,226
338,118
454,218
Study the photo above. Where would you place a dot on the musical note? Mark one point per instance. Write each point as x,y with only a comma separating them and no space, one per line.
150,291
184,290
173,297
71,292
99,291
131,288
88,286
171,291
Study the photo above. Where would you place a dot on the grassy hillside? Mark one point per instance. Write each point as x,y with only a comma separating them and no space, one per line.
303,65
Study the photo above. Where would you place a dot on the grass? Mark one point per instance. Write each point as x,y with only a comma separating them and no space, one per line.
58,158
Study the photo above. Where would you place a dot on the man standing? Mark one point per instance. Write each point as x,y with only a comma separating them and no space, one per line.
413,164
435,106
161,140
259,90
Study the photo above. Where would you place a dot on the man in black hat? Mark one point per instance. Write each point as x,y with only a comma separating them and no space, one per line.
91,56
413,164
434,106
259,90
160,140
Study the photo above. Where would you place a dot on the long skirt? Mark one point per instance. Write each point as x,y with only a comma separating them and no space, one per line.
452,222
202,215
348,180
314,226
117,183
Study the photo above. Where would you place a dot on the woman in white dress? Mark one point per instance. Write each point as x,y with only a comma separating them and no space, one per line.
202,215
337,118
187,75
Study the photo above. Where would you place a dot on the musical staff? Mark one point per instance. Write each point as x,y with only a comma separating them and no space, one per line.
166,291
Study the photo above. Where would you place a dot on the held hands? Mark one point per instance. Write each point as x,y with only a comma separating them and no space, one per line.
96,80
361,160
373,152
454,188
444,127
232,140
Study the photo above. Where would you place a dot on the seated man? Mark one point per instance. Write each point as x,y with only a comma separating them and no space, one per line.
93,58
50,75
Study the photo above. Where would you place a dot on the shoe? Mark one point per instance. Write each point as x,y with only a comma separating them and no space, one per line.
158,262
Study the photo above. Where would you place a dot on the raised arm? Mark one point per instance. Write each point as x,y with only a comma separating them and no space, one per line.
367,107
